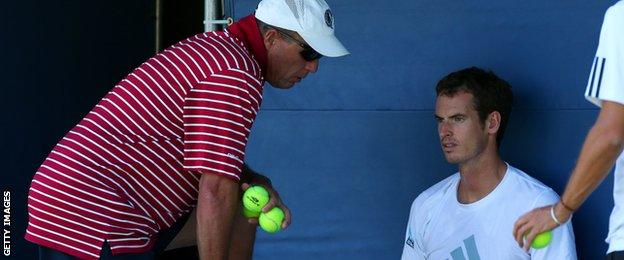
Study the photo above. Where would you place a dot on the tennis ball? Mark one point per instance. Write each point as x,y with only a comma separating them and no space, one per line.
542,240
250,214
272,221
255,198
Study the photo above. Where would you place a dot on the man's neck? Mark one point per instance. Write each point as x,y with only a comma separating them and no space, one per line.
479,177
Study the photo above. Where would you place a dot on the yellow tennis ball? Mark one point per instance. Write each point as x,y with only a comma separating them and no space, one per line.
272,221
542,240
250,214
255,198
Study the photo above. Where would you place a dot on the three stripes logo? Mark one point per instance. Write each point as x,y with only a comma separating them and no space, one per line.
595,77
409,241
471,250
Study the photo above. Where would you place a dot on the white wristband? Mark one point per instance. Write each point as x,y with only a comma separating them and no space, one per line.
552,215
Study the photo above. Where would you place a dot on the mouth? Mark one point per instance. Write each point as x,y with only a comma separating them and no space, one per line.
448,147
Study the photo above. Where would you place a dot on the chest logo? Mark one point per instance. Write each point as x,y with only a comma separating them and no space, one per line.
471,250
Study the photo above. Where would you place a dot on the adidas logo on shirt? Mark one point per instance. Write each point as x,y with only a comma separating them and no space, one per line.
471,250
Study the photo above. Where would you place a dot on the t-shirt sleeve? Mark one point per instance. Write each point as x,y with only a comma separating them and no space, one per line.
217,119
606,79
412,243
562,243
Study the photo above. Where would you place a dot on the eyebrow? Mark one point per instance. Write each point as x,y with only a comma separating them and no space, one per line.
452,116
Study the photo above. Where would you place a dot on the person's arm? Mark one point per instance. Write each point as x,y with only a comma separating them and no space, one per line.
600,150
216,205
218,111
243,237
244,229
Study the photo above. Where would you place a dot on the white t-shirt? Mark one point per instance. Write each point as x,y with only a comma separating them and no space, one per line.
440,227
606,82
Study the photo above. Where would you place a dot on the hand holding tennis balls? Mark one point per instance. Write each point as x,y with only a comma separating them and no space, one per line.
538,221
258,201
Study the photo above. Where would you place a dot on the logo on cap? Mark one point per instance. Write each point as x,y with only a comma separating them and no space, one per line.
329,19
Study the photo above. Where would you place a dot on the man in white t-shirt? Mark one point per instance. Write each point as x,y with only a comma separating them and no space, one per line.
470,214
603,145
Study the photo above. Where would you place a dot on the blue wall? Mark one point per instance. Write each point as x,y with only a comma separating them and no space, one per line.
351,147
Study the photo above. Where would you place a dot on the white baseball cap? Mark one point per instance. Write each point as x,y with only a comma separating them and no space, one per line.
311,19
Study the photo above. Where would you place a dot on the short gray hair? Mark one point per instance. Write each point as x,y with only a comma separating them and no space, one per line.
265,27
262,26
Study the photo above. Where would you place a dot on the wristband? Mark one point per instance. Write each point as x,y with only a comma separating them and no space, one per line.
552,215
566,206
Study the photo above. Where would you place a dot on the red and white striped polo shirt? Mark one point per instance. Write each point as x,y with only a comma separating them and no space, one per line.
131,167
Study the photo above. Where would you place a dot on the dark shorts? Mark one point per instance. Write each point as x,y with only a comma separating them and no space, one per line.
157,251
617,255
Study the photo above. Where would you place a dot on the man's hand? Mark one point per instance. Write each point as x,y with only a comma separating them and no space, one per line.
537,221
274,201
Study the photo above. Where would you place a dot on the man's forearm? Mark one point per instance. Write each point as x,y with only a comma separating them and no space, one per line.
216,207
243,238
602,146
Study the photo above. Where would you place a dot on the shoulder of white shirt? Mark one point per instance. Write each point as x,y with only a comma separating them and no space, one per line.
617,9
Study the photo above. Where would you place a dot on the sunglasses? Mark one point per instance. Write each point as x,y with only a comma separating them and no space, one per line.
307,53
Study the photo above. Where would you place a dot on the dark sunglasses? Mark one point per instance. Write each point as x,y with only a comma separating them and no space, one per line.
307,53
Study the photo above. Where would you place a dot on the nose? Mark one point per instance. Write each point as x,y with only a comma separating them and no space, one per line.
444,129
312,66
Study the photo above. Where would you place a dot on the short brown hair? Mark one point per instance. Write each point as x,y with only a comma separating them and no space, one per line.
490,93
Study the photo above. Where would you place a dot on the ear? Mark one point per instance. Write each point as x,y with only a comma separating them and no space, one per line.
492,123
269,38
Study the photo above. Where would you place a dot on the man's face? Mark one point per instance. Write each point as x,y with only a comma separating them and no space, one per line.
286,67
462,135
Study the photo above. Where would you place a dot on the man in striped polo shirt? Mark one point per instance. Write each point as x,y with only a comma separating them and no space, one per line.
167,143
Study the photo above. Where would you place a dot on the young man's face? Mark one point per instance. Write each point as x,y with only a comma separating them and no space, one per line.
462,135
286,65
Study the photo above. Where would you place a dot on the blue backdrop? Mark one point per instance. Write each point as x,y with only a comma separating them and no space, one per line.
350,147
